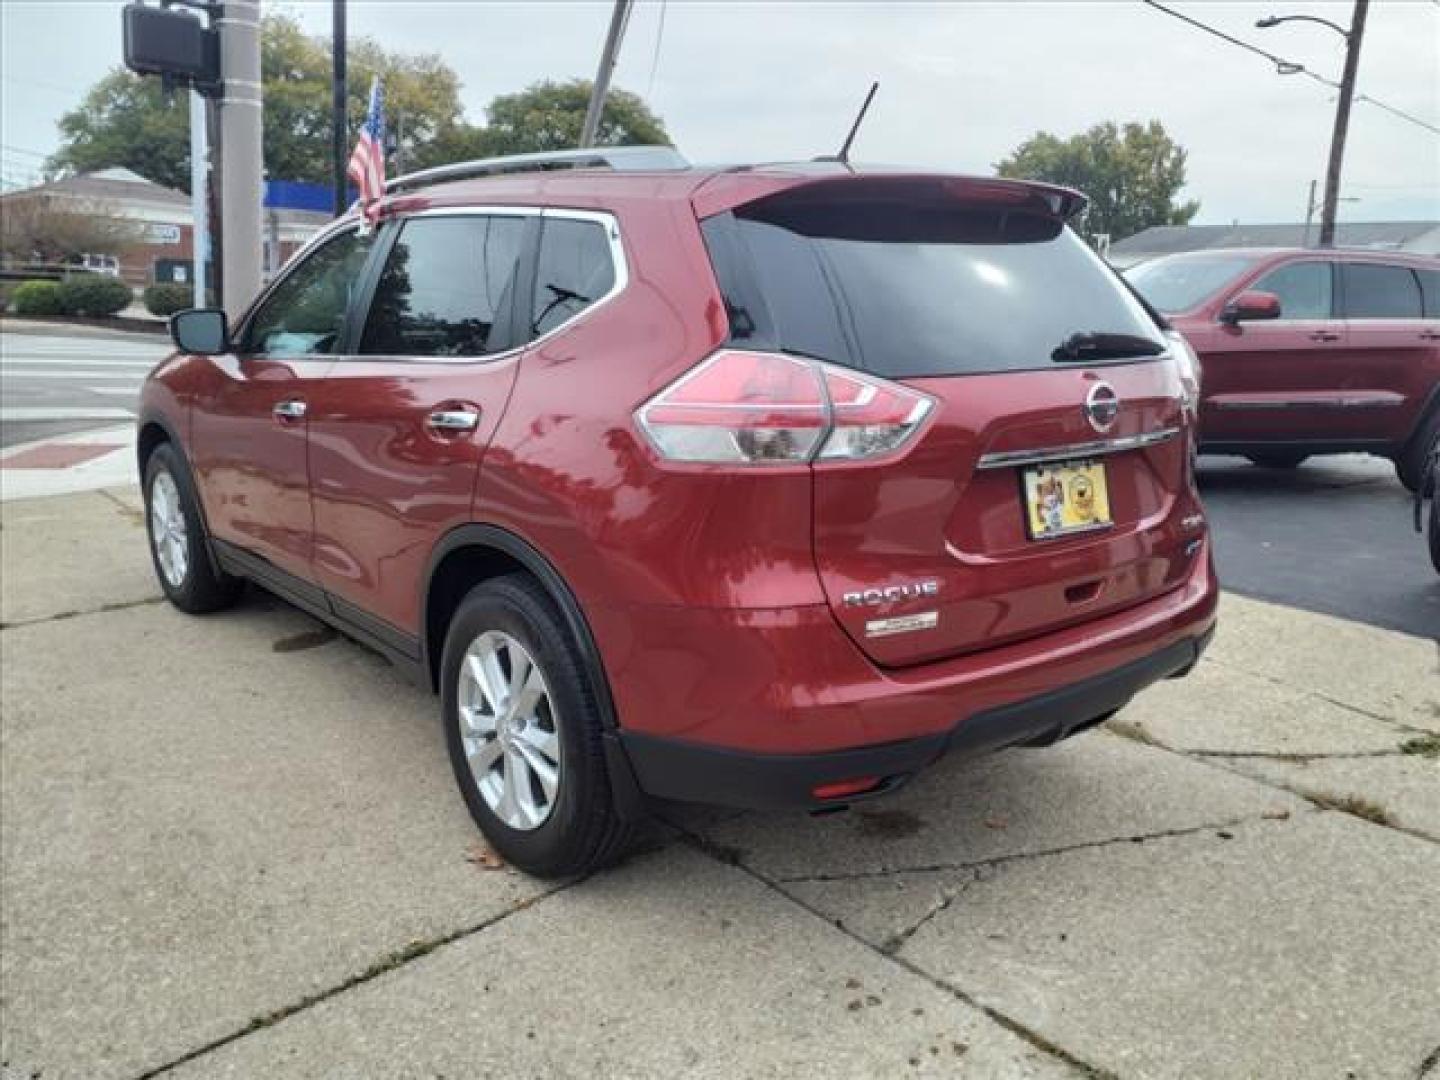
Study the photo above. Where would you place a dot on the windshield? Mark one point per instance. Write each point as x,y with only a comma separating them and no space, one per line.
907,290
1181,282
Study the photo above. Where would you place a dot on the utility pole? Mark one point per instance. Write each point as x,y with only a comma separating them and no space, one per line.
1342,123
618,18
240,136
1309,213
339,124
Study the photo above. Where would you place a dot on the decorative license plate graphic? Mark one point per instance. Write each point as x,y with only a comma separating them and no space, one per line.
1065,497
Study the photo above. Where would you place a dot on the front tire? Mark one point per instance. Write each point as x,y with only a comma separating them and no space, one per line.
178,550
525,734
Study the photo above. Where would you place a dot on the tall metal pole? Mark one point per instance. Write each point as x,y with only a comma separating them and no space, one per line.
1342,123
339,125
240,134
618,18
199,205
1309,213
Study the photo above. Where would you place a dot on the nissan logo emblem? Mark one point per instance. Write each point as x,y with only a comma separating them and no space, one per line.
1102,406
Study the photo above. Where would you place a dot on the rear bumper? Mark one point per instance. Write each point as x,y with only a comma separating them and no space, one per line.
687,771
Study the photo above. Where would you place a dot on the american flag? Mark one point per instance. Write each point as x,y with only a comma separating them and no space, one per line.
367,163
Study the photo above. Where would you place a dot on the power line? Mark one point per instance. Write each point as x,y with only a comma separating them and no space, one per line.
1284,66
655,59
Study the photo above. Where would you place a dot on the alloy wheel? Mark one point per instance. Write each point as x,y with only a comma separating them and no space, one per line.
509,730
167,529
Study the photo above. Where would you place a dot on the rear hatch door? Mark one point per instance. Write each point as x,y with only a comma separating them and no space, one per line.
1019,508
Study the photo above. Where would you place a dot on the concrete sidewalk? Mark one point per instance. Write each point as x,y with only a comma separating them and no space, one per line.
231,846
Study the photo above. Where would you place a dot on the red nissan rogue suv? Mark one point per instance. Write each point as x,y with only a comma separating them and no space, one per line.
759,486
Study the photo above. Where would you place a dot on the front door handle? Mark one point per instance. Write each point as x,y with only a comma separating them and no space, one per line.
292,409
1324,335
453,420
1430,335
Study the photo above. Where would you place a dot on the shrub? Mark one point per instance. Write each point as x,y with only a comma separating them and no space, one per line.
167,297
38,299
94,294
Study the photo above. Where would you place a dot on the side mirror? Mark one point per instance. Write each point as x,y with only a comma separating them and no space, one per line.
203,331
1251,307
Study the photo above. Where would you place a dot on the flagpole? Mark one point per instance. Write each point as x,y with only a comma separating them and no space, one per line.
340,140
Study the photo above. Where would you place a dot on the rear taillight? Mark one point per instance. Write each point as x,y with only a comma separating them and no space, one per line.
759,408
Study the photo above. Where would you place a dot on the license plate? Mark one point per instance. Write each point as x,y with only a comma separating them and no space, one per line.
1066,497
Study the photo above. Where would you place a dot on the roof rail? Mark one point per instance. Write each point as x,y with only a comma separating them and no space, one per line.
619,158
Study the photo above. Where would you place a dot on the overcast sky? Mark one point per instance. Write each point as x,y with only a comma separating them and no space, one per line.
961,83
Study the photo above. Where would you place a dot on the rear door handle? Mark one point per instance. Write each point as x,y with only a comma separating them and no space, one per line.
293,409
1324,335
453,420
1430,335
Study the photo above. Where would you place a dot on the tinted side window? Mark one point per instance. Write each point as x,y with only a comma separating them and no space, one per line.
1430,289
446,288
1373,291
575,270
305,314
1303,289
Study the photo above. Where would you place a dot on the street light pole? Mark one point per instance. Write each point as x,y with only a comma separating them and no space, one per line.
1342,123
1342,108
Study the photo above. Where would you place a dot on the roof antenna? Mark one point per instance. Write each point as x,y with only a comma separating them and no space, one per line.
844,155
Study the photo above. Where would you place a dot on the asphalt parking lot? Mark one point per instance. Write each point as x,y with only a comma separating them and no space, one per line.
231,847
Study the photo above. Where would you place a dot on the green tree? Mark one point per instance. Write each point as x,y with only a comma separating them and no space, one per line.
128,120
549,115
1131,174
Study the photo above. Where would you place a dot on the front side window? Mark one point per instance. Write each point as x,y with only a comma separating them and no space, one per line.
1376,291
446,288
1303,289
575,270
1181,282
305,314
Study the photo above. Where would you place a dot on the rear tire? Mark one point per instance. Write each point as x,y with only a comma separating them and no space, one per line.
1277,459
525,734
178,547
1435,530
1411,462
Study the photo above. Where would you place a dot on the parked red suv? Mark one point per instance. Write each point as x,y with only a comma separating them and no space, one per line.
755,486
1309,351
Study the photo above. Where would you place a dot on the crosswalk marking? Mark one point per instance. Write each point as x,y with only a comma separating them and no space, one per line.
136,377
24,414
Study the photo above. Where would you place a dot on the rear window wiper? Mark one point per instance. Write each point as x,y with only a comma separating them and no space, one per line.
1086,345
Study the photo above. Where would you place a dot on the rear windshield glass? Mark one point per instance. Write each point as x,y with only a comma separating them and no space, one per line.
1187,281
906,290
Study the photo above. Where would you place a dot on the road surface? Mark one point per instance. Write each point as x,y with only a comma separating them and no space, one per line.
58,385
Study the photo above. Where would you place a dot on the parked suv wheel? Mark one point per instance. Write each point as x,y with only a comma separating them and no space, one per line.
524,733
1410,463
177,539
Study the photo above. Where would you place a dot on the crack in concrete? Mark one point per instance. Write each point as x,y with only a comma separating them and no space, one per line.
1291,756
1318,695
1015,1027
393,961
137,517
1019,856
1320,800
103,609
1429,1065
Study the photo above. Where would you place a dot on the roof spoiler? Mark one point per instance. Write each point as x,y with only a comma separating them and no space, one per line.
618,158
